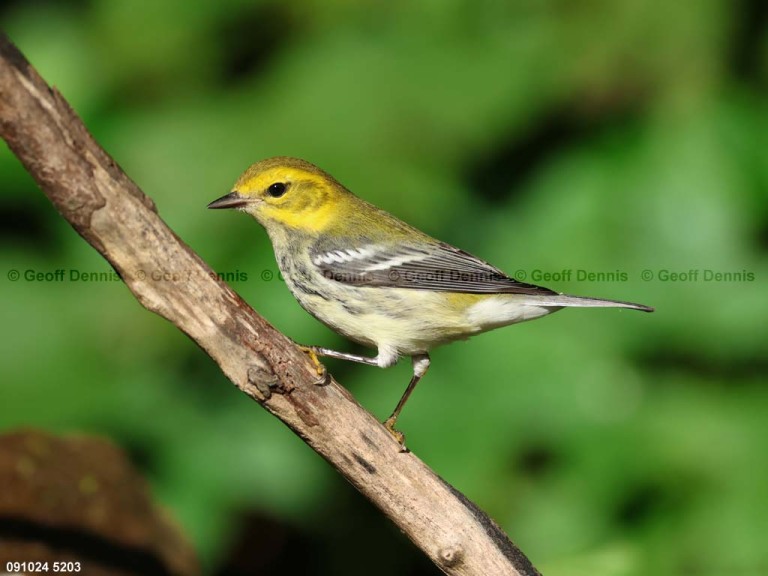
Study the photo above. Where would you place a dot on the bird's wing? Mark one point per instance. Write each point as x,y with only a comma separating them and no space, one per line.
436,266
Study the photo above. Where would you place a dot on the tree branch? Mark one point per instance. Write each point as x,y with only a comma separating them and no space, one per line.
110,212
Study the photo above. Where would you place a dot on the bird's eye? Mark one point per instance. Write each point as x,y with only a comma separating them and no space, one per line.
277,189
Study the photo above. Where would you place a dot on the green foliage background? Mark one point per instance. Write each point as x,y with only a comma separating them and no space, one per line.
542,136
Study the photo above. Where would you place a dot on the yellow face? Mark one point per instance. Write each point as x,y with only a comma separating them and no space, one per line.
285,192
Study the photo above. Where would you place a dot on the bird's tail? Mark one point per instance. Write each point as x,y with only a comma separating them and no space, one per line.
566,300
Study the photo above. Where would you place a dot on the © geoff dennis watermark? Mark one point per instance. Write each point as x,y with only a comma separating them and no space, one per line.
697,275
76,275
533,276
646,275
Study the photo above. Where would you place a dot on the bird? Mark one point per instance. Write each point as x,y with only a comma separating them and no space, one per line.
375,279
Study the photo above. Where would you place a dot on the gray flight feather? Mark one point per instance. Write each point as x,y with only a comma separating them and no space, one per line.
439,267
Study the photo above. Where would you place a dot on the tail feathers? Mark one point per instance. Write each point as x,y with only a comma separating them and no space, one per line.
583,302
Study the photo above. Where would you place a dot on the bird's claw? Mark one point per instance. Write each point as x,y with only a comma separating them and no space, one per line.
322,372
389,424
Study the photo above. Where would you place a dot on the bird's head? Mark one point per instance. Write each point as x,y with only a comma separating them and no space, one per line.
287,192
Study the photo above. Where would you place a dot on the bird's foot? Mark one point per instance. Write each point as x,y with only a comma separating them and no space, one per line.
322,372
389,424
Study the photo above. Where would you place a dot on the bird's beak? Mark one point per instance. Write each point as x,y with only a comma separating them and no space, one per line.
231,200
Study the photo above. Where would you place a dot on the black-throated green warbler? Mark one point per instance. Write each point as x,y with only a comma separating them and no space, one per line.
377,280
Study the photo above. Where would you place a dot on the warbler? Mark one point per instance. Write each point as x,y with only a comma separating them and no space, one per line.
377,280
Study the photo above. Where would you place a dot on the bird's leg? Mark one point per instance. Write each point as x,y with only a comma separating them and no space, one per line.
317,351
420,366
384,359
314,351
